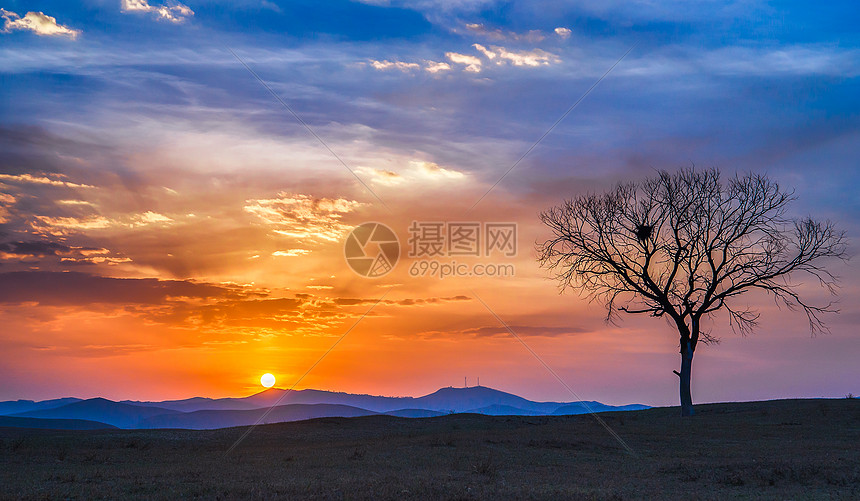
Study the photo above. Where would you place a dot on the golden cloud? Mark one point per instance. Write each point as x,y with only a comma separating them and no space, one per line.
302,216
30,179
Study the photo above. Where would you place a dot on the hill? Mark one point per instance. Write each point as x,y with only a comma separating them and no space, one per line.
102,410
277,396
17,406
207,420
52,424
791,449
586,407
444,400
465,399
208,413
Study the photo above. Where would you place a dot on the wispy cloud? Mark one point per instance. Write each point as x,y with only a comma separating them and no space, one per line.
291,252
429,66
302,216
433,170
149,217
174,12
62,225
381,176
473,64
55,180
789,60
415,172
37,22
73,223
500,55
436,67
499,331
6,201
394,65
35,252
211,307
498,34
563,32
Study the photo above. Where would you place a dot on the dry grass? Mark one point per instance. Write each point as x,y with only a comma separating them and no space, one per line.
803,449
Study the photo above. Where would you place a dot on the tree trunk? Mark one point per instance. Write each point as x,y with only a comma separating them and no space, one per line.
685,376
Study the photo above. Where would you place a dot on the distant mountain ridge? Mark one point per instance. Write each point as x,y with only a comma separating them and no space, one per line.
14,406
207,413
52,424
100,410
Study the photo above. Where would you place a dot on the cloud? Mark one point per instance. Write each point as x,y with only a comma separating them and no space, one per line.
501,56
19,250
291,253
346,301
396,65
416,171
271,6
501,331
6,201
563,32
42,179
381,176
73,288
473,64
433,170
74,202
86,223
174,12
536,57
429,66
436,67
302,216
37,22
59,224
239,310
36,252
149,217
500,35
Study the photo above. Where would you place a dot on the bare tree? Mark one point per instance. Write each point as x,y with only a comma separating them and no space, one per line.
685,246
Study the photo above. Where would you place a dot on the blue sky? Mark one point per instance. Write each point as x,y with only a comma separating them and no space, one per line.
746,85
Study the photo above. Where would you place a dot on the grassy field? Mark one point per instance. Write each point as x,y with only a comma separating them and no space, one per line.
790,449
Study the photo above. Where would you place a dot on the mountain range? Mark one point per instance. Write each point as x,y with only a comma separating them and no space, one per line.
276,405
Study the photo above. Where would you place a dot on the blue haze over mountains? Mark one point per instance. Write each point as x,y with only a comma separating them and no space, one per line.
207,413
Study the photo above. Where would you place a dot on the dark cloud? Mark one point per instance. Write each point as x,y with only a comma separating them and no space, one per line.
35,248
186,303
79,289
32,149
501,331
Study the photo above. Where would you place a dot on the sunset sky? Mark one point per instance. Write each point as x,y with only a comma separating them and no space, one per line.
168,229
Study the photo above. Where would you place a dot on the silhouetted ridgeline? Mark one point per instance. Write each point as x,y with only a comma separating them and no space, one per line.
206,413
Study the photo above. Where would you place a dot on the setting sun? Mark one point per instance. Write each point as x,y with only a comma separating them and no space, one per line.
267,380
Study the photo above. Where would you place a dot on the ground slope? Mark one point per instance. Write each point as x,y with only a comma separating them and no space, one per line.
802,449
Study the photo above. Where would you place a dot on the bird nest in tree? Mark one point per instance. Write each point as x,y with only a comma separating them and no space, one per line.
643,232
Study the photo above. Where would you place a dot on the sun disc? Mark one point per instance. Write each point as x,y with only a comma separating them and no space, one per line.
267,380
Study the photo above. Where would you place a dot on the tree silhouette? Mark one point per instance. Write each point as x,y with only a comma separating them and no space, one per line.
685,246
